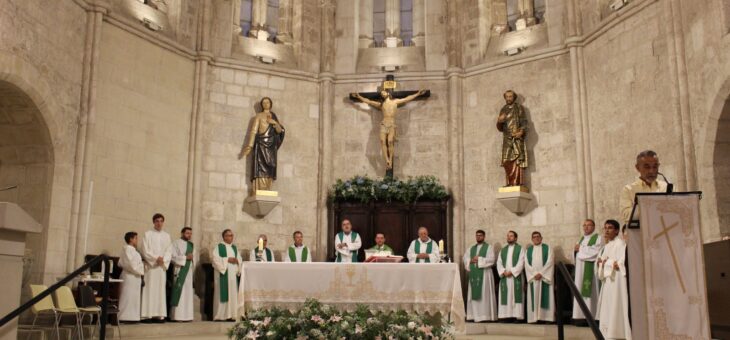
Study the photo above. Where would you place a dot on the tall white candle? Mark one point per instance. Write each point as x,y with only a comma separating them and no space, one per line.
88,217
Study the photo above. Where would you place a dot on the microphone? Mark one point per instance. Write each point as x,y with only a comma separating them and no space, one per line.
670,186
8,188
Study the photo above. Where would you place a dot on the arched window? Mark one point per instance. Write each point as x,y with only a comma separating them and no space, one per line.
246,8
406,21
272,18
378,22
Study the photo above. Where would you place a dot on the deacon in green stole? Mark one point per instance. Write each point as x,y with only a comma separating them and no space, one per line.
586,254
347,243
181,297
227,264
478,261
423,249
539,270
264,254
297,252
510,264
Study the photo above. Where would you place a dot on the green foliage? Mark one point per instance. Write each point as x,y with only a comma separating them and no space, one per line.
318,321
364,189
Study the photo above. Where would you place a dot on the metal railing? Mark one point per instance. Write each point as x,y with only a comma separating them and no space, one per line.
575,293
104,294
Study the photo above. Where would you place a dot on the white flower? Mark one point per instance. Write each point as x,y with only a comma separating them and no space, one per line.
336,318
252,335
411,325
358,329
267,320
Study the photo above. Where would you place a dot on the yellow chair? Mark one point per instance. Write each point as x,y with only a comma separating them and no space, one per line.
67,306
43,308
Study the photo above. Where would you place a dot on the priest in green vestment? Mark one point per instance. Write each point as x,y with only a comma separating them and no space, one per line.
347,243
380,248
298,252
478,262
261,252
181,297
423,249
226,260
586,253
510,267
539,270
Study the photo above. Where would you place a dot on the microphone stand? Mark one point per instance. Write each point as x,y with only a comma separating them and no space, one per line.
670,186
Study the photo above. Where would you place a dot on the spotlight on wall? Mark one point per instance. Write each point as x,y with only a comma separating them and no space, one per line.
151,24
617,4
265,59
390,68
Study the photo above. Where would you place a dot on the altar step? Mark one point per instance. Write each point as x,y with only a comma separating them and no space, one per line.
507,331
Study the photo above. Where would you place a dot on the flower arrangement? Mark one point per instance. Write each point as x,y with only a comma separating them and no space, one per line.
364,189
318,321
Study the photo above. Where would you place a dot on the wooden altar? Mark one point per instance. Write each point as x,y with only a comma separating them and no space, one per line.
398,221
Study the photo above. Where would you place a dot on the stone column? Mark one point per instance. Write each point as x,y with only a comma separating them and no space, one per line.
392,23
419,23
258,20
286,14
236,16
365,31
527,14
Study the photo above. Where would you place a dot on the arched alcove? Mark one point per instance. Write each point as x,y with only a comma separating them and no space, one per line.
721,168
26,161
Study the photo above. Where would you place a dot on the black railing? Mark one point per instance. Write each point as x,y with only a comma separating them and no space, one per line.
104,294
575,293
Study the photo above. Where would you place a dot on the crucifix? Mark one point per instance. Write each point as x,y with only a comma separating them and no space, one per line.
665,232
388,100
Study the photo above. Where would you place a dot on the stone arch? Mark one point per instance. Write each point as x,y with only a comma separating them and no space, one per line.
59,134
26,161
714,167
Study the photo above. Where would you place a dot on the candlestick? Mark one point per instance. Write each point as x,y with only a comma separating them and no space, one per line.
441,246
261,244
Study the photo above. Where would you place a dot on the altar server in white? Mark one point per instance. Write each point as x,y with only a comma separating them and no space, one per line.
586,254
613,302
132,270
298,252
347,243
261,253
478,262
510,266
227,263
539,270
157,254
423,249
181,300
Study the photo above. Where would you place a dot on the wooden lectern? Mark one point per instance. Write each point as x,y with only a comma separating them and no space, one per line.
668,294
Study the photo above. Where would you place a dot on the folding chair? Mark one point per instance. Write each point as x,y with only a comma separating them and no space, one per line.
43,308
67,306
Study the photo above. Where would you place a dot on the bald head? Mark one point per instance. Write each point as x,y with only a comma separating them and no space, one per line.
423,234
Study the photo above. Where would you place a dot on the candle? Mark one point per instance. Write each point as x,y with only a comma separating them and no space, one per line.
441,246
261,244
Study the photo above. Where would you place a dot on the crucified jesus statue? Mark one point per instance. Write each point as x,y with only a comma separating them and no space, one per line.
389,106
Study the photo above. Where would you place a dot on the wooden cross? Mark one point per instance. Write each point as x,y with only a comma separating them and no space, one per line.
665,232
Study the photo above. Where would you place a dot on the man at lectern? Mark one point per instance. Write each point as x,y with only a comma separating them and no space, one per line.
647,164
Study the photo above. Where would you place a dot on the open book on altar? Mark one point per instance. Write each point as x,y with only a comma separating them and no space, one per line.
385,259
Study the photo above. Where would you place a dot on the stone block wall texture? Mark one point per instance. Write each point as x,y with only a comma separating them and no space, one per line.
634,86
144,103
232,100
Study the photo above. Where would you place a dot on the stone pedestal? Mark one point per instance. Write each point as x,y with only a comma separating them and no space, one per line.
15,223
515,198
261,203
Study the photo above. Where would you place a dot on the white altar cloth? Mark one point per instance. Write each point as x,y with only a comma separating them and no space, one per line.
423,287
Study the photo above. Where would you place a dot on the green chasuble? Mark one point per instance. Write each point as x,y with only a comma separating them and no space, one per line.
517,279
224,277
293,254
353,237
476,274
586,286
385,247
269,254
181,276
429,250
545,298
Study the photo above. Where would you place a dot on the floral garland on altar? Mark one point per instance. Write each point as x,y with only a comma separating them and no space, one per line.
364,189
318,321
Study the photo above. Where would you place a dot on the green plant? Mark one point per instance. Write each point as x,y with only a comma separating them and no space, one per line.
364,189
319,321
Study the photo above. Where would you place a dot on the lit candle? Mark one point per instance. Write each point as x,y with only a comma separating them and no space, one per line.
261,244
441,246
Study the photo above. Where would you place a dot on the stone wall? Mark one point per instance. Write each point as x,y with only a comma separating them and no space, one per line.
232,100
144,103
